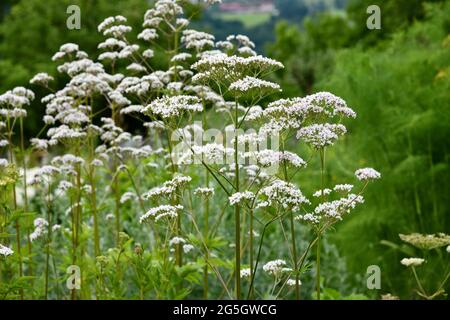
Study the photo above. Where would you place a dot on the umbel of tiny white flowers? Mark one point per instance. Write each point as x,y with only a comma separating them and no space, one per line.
414,262
426,241
5,251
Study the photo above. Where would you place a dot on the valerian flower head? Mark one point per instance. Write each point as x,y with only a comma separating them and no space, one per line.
412,262
40,228
45,175
343,187
293,282
321,135
275,267
5,251
283,194
197,40
163,211
268,158
114,27
41,78
169,107
17,99
245,273
249,85
366,174
239,197
128,196
221,68
176,241
168,188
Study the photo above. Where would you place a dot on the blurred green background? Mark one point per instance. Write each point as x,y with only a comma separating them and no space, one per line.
396,78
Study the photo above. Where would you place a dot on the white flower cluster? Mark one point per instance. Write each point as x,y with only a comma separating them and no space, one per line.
212,152
41,78
245,273
5,251
321,135
329,104
128,196
365,174
114,26
282,193
268,158
181,241
343,187
40,228
275,267
169,107
293,282
168,188
197,40
333,210
412,262
44,175
323,192
3,163
220,67
346,188
163,211
288,114
148,35
238,197
70,50
249,84
176,240
14,100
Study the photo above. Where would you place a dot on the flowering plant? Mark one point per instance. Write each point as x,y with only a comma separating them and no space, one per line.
166,190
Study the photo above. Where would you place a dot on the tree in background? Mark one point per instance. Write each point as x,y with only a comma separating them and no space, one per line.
400,90
398,81
309,48
34,30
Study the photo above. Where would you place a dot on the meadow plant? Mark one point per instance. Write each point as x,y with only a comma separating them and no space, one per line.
162,183
425,243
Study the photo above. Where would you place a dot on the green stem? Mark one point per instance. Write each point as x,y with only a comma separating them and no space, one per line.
419,284
294,256
318,267
251,251
237,214
17,224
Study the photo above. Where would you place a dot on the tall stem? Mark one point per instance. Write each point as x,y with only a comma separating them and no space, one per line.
293,237
25,193
322,178
94,189
318,267
294,256
179,247
237,212
49,235
206,235
17,224
251,251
